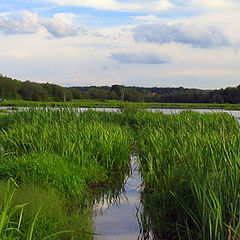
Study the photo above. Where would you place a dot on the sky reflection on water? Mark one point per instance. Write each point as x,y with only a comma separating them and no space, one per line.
119,221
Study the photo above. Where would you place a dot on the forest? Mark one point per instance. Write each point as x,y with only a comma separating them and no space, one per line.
12,89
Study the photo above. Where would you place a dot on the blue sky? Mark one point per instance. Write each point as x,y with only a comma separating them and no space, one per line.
189,43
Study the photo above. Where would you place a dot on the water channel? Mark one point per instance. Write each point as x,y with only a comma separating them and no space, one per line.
119,221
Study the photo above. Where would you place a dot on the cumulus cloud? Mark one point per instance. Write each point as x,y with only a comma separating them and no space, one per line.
139,58
25,22
60,25
195,35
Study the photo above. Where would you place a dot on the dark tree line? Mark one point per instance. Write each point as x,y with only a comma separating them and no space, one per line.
15,89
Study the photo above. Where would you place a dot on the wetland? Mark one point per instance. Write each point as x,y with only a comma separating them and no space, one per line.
130,174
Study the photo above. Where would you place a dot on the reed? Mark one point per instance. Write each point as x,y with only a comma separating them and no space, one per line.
189,163
31,212
78,155
190,166
64,149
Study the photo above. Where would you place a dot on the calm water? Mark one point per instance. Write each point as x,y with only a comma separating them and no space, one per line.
234,113
119,221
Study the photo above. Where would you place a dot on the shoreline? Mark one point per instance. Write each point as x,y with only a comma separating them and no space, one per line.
85,103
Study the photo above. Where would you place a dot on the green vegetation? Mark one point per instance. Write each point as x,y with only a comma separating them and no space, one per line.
44,210
190,166
3,111
91,103
12,89
63,161
64,156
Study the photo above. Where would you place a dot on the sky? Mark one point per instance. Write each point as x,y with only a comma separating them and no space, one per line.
149,43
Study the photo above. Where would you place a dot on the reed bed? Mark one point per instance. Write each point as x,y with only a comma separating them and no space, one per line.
66,150
74,154
191,169
189,163
31,212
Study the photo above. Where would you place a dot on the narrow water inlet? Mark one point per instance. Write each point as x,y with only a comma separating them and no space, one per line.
119,221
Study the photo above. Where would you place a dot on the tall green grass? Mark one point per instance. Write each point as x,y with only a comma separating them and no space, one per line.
66,150
30,212
190,164
80,156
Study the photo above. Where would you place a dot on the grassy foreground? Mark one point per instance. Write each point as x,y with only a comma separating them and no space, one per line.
91,103
60,156
60,160
191,168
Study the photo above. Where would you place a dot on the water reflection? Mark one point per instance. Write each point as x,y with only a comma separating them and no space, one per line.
119,221
127,216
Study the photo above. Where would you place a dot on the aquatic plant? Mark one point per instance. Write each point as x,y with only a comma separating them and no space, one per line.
190,166
31,212
78,155
189,163
64,149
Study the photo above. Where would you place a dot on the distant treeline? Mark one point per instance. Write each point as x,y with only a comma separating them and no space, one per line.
12,89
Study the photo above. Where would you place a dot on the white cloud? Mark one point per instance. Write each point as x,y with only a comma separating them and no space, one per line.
25,22
114,5
61,25
56,49
195,35
146,18
138,58
215,5
79,61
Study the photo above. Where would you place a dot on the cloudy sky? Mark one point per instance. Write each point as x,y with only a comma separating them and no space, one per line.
189,43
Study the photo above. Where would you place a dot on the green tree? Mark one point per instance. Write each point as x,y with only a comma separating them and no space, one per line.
119,90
